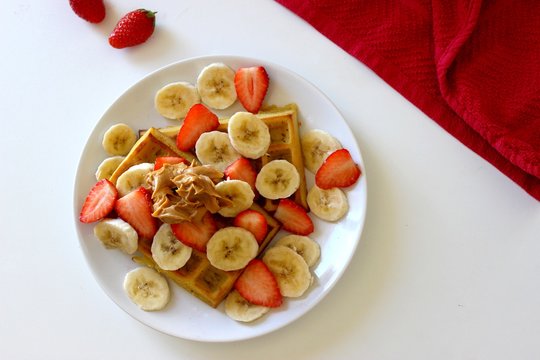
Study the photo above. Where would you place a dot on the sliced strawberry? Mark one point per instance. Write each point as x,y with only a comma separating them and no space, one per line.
162,160
136,209
253,221
251,86
293,217
196,234
198,121
242,169
338,170
258,285
99,202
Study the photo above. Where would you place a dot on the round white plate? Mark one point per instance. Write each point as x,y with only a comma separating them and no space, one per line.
187,317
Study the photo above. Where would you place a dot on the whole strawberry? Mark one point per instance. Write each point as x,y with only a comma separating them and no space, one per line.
133,29
90,10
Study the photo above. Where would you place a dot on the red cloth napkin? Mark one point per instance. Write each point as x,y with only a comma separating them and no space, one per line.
473,66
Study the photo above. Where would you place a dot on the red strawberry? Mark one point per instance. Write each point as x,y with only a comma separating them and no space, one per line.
99,202
134,28
196,234
251,86
198,121
258,285
338,170
242,169
90,10
293,217
162,160
136,209
253,221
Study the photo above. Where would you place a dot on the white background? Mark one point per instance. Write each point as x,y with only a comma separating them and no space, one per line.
448,264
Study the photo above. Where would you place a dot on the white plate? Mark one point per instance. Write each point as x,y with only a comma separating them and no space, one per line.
185,316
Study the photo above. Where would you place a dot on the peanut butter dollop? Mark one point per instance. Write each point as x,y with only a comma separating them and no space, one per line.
183,193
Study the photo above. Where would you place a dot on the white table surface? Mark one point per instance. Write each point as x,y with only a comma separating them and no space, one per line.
448,264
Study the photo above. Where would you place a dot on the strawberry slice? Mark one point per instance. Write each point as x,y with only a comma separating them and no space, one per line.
293,217
198,121
338,170
242,169
253,221
136,209
162,160
258,285
196,233
251,85
99,202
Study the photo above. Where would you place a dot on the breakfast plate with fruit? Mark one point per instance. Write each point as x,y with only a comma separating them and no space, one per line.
220,198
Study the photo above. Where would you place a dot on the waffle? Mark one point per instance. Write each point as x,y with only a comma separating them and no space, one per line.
151,144
285,144
198,276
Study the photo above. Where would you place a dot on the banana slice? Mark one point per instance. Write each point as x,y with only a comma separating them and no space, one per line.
278,179
167,251
216,86
214,148
239,192
239,309
329,205
304,246
249,135
147,288
231,248
119,139
316,146
175,99
291,271
133,178
108,166
117,234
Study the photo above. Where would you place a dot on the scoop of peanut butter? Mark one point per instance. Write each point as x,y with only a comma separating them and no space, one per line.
181,192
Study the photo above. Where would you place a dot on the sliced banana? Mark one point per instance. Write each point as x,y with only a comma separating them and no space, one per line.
119,139
133,178
216,86
239,309
304,246
167,251
231,248
175,99
239,192
278,179
214,148
329,205
316,146
249,135
291,271
117,234
147,288
107,167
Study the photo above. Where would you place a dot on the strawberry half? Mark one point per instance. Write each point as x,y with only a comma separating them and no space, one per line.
99,202
196,234
242,169
293,217
198,121
251,85
90,10
258,285
136,209
338,170
254,222
132,29
162,160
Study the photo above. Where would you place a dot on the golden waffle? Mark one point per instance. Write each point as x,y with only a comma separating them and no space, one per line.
198,276
285,144
150,145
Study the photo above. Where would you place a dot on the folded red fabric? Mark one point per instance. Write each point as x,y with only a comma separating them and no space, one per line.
472,66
